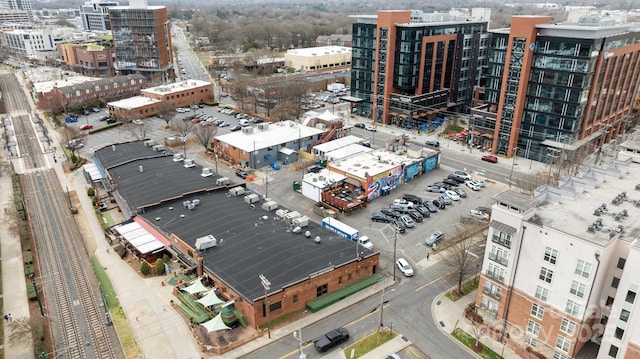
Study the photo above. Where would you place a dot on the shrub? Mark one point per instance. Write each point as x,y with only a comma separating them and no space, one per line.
159,266
165,258
91,192
144,268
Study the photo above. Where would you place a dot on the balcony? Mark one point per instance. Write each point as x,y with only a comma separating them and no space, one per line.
501,241
495,276
499,259
492,292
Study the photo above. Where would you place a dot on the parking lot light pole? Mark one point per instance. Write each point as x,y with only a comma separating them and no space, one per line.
266,285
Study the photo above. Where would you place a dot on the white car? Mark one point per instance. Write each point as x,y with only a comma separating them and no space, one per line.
403,202
478,214
404,267
371,128
479,182
474,186
453,195
462,174
138,122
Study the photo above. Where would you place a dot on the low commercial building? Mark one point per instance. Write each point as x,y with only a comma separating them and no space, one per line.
88,59
181,94
318,58
255,147
134,107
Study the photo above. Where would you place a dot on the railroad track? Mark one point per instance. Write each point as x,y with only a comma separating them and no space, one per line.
74,304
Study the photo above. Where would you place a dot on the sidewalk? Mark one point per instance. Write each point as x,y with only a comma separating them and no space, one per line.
14,294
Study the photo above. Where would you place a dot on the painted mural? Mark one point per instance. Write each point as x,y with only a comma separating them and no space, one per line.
383,183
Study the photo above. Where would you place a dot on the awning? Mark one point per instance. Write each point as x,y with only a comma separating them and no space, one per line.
195,287
286,151
139,237
215,324
353,181
210,299
502,227
93,172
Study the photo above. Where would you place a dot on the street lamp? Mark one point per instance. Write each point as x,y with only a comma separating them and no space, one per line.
513,163
266,285
476,277
395,239
380,323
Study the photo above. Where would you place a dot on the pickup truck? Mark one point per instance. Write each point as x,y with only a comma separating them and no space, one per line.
331,339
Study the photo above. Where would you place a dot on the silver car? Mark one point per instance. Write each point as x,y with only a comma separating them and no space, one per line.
407,221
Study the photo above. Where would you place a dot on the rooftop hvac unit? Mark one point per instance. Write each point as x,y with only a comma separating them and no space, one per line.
188,163
247,129
270,205
281,212
301,221
263,125
205,242
141,169
178,157
150,143
159,148
206,172
223,181
289,217
236,191
251,198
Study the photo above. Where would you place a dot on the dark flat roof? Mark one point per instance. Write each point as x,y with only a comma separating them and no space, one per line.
251,242
161,179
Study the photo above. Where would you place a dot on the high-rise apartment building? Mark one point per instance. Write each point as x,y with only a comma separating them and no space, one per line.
407,65
95,15
557,90
142,39
560,270
16,5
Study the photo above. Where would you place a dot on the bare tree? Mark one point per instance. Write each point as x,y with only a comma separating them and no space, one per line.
139,131
72,138
478,332
166,112
183,128
459,256
205,134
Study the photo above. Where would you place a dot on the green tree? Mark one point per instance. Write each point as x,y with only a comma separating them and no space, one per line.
144,268
91,192
159,266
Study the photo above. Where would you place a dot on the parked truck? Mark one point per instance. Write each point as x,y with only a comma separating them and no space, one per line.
342,229
331,339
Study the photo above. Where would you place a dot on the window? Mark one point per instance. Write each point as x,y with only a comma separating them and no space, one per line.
563,344
320,290
578,289
546,274
619,333
572,307
531,340
349,276
340,280
542,293
559,355
583,268
537,311
568,326
501,238
615,282
295,298
624,315
275,306
609,301
613,351
533,328
621,262
631,297
550,255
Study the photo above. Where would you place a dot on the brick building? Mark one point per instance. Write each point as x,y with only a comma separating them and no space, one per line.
88,59
56,96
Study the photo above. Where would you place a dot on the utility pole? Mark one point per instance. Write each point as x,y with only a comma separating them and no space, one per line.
266,285
395,239
513,163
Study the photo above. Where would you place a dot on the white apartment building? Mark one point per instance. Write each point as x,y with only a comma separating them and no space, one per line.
95,15
558,274
36,44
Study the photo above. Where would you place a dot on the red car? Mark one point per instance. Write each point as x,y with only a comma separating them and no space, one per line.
492,159
86,127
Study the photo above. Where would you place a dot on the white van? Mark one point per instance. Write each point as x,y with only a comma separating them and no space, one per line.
365,242
244,122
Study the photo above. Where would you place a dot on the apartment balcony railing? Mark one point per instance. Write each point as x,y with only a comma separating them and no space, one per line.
499,259
491,292
495,276
501,241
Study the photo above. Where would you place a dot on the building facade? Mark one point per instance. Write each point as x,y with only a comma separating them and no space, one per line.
55,97
16,5
558,90
88,59
142,40
408,65
557,275
318,58
95,15
33,44
15,16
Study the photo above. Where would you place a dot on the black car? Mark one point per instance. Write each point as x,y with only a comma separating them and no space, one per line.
412,198
431,206
451,182
359,125
111,120
379,217
439,203
416,216
390,213
424,211
442,185
242,174
398,226
456,178
235,128
256,120
434,144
